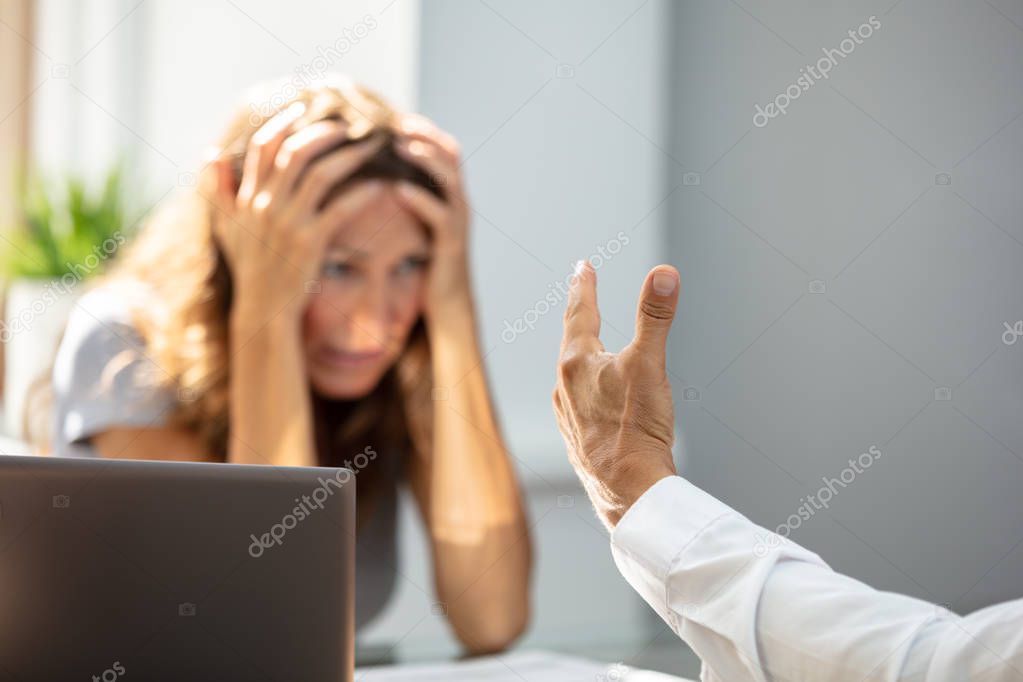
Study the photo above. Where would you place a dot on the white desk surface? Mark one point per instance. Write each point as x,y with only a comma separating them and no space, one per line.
519,666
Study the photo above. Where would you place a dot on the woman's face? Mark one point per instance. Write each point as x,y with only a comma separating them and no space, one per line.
370,296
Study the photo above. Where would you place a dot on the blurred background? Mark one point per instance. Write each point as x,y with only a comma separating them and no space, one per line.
851,258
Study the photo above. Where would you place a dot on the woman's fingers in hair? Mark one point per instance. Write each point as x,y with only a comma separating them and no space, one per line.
324,174
428,155
225,186
224,195
301,147
425,206
262,148
419,127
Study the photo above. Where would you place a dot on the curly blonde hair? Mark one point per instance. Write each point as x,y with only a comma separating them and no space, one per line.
177,258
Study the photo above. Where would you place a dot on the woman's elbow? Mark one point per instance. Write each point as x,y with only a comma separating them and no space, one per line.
491,635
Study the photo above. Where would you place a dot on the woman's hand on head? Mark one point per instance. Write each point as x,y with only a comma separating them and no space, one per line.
271,223
422,143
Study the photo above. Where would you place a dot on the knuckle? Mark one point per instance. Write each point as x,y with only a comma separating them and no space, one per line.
258,142
657,310
640,361
294,142
571,365
286,155
297,149
572,309
261,203
608,378
243,199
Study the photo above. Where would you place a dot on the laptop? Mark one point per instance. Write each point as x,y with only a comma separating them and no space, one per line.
178,571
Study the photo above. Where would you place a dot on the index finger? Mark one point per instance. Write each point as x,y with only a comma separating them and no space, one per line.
263,146
582,317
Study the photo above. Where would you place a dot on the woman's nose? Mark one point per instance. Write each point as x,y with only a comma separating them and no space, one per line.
368,320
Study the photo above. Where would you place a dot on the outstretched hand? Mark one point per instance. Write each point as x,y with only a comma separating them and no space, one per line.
615,410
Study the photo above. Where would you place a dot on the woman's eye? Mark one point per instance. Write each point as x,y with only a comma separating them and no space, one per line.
410,266
336,269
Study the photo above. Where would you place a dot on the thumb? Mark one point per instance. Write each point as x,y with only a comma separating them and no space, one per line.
217,183
657,303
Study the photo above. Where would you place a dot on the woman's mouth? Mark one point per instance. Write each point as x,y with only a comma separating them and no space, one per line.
349,360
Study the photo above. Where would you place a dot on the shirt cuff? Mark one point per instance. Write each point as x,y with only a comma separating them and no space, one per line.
656,530
664,520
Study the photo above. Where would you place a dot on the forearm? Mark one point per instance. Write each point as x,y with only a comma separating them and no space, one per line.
270,406
817,624
478,527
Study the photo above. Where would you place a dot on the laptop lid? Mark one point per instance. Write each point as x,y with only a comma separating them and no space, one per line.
175,571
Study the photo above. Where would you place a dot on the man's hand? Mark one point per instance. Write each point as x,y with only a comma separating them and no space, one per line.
615,411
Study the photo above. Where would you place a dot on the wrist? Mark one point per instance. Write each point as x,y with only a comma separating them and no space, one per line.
453,310
249,318
450,283
630,485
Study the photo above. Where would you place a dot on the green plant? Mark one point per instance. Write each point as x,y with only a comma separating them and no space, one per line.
63,224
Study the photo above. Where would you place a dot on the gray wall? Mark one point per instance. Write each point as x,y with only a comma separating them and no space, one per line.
918,279
557,165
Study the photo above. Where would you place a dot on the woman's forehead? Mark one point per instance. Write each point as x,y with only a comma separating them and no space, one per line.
383,226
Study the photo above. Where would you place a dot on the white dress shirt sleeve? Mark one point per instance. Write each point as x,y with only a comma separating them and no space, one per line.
755,607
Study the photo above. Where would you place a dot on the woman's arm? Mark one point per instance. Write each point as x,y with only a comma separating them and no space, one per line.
470,499
466,485
270,406
150,443
274,237
267,373
269,401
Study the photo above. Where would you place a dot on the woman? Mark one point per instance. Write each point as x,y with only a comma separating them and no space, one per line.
309,302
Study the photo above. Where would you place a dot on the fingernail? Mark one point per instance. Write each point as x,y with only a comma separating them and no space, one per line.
664,283
580,268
